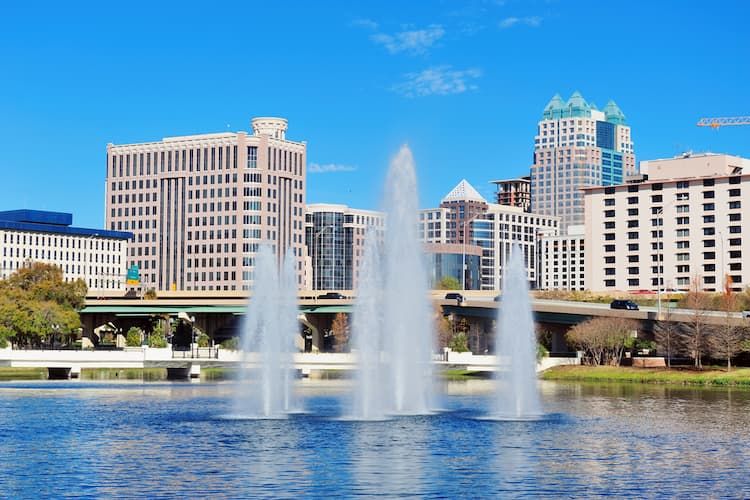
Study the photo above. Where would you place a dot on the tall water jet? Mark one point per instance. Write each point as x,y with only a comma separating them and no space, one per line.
518,395
392,322
269,326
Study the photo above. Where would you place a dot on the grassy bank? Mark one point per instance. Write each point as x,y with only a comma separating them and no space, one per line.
737,377
8,373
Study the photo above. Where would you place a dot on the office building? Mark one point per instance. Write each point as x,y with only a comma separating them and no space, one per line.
680,220
465,217
561,260
514,193
200,205
96,256
335,243
576,146
445,260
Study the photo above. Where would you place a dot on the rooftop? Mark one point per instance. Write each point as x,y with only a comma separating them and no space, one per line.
464,192
577,106
52,222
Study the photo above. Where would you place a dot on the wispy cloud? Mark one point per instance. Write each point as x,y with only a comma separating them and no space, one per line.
412,41
438,80
509,22
365,23
327,168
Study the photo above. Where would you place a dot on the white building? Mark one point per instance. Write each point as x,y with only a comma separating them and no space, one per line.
464,216
561,260
681,220
95,255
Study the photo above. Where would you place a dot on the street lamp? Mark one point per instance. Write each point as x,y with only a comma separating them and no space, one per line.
463,248
317,253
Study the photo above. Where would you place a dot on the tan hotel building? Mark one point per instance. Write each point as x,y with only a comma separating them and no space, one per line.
199,205
680,220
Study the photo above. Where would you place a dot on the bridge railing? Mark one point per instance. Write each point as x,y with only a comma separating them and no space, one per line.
196,353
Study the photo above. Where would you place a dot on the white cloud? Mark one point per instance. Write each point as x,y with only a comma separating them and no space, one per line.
438,80
317,168
412,42
365,23
509,22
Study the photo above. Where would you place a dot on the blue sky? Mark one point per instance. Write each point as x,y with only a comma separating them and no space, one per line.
463,83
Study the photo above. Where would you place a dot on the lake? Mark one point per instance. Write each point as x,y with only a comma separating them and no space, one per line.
160,439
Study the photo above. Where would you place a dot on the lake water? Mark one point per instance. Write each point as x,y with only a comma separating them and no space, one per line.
95,439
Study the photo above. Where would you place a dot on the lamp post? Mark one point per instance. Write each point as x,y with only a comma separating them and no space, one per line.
316,253
463,249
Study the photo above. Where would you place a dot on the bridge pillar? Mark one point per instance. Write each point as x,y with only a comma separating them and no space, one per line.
195,370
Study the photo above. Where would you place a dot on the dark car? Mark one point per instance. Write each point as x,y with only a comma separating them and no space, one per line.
624,304
454,296
331,295
498,298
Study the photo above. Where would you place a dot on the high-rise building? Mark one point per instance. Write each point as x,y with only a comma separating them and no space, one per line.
514,192
678,222
335,242
96,256
576,146
200,205
465,217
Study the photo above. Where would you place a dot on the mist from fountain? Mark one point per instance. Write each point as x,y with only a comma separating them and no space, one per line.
392,330
264,388
515,347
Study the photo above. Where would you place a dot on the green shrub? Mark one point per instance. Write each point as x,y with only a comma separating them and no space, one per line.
541,352
203,340
232,344
157,338
459,342
134,337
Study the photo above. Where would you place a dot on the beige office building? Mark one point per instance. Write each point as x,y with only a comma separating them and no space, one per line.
577,145
680,220
199,205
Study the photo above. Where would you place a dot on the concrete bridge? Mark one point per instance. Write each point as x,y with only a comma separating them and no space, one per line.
219,314
179,364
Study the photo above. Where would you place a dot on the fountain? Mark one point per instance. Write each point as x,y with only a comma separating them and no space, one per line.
391,324
518,396
268,331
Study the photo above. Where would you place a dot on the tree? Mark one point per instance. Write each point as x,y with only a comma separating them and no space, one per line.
726,341
604,338
37,306
157,338
449,283
698,302
443,328
150,294
459,342
340,331
668,336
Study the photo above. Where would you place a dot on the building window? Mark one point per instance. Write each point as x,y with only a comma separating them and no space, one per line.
252,157
734,192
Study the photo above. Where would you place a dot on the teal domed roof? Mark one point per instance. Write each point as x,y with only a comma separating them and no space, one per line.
553,107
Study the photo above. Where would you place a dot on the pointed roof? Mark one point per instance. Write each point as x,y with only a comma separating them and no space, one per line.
464,192
577,102
612,113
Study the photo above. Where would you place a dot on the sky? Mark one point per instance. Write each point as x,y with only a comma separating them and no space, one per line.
463,83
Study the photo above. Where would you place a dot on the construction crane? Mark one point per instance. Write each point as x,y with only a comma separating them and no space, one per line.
724,122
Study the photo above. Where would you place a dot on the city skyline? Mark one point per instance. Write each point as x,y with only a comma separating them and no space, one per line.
472,76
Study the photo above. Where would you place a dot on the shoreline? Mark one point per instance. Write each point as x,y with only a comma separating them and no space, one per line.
738,377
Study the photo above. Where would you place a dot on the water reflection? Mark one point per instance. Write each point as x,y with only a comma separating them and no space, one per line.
157,440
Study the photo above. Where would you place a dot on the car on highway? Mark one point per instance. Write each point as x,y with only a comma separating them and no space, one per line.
498,298
454,296
331,295
624,304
